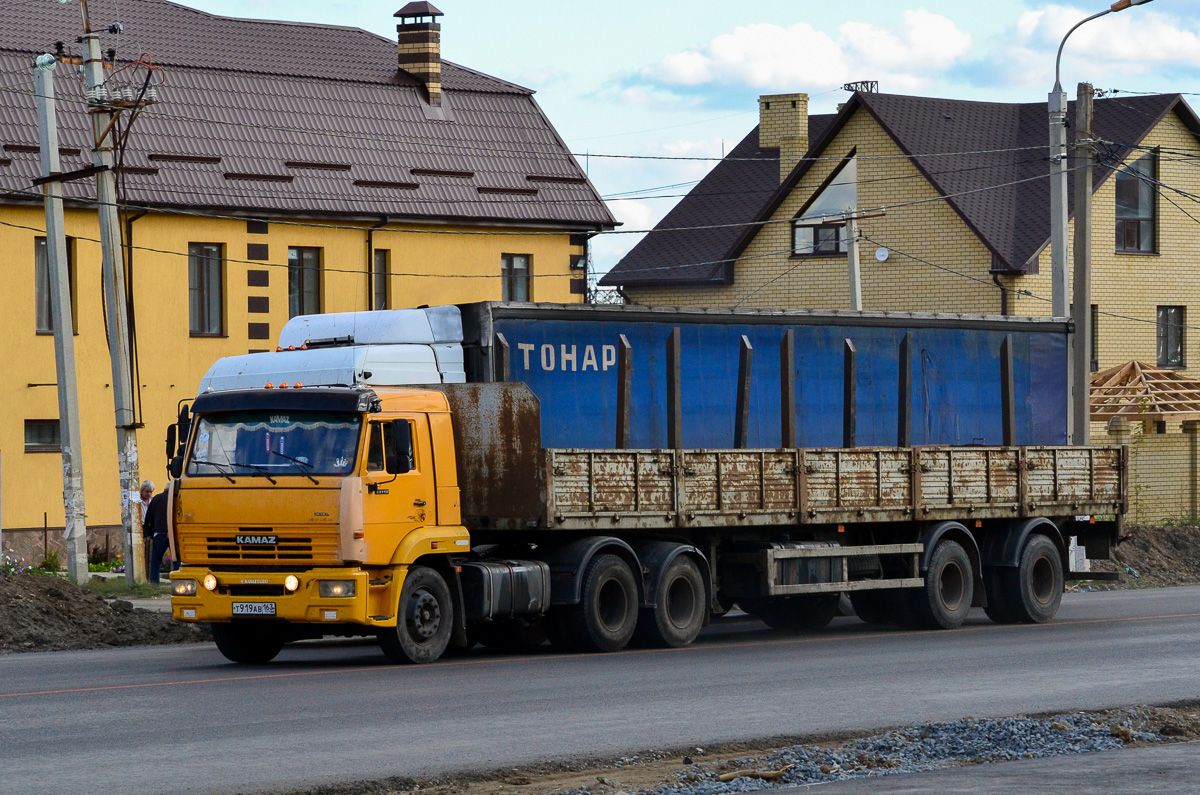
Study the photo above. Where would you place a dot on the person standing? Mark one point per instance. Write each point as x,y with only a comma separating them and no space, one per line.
146,492
154,526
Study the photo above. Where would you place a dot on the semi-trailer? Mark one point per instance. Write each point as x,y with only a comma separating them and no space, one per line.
504,473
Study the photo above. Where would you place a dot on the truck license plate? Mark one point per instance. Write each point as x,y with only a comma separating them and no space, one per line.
254,608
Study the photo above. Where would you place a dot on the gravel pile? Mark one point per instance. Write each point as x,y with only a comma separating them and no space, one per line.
922,747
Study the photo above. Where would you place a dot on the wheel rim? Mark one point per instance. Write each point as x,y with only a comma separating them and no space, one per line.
613,605
424,615
681,602
1041,580
952,585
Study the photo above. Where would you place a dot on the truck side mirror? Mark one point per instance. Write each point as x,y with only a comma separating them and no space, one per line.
185,428
176,467
171,441
399,446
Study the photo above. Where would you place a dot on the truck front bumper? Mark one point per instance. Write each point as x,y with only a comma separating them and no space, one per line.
264,596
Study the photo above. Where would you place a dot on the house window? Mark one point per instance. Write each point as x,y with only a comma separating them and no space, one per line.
206,293
1136,206
811,237
514,277
379,279
42,436
304,281
41,279
1170,336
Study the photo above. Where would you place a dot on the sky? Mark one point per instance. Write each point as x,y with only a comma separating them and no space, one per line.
681,79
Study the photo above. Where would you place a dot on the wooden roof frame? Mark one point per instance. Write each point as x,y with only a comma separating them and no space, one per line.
1137,391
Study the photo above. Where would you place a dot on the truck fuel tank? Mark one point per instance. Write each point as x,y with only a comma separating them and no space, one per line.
504,588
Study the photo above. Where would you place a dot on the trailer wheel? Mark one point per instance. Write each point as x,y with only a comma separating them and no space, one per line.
997,609
1034,589
249,642
607,613
679,615
799,613
872,606
949,589
424,619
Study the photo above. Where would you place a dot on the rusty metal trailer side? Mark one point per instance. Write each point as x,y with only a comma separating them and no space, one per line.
616,490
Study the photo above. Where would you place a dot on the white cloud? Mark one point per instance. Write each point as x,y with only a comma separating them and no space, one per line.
766,56
1137,41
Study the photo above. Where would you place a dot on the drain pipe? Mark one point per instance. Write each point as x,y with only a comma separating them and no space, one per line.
1003,293
383,219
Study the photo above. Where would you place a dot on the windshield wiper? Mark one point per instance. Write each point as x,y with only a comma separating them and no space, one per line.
260,470
297,461
217,465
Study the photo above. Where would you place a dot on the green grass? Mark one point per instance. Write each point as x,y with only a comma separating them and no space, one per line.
117,588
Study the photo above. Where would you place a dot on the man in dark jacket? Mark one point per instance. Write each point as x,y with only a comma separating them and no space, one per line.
155,528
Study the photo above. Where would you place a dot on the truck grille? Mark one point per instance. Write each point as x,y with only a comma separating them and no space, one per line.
226,548
256,590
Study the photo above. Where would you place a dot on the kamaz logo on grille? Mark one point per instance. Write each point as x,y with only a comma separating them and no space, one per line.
257,541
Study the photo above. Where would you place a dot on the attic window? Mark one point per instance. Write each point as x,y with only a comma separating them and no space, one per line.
184,158
258,177
317,166
552,178
379,183
811,235
30,148
67,152
508,191
437,172
148,171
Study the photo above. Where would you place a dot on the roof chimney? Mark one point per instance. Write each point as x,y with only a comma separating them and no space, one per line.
783,123
420,41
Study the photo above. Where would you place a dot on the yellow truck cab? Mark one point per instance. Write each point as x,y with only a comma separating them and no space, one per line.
329,509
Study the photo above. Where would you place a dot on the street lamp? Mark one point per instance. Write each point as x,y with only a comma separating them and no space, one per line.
1057,107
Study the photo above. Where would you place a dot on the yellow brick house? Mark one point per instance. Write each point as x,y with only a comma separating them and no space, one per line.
284,169
967,224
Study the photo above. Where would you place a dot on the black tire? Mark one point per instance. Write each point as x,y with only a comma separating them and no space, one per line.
997,608
607,613
249,642
799,613
872,606
1034,589
949,589
512,634
679,615
424,619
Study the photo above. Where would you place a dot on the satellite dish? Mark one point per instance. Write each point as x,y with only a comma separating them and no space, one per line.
881,254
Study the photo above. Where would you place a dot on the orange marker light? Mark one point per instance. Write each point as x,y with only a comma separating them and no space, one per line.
278,348
978,523
269,385
291,347
297,385
283,385
433,545
841,528
304,347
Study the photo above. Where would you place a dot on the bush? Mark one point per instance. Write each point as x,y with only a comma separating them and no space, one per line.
50,562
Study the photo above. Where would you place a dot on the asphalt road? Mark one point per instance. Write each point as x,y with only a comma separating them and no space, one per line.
181,719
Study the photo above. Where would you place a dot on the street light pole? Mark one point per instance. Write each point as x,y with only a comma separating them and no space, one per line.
1057,109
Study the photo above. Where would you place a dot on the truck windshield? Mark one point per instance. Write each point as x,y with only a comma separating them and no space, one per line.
275,442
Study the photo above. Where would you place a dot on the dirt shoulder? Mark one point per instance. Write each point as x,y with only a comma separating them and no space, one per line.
49,613
1155,557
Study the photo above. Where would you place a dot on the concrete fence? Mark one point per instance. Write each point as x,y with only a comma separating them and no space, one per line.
1164,471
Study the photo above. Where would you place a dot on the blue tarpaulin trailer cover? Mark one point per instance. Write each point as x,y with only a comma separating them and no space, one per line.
568,356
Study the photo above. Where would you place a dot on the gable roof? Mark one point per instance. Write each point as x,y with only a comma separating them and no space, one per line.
261,95
1002,196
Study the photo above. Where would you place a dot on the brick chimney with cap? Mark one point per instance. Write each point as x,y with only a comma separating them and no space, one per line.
783,123
420,40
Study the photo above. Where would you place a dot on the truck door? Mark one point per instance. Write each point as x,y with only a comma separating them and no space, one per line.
398,486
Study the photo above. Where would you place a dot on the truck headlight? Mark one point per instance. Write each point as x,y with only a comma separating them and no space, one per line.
291,583
184,587
332,588
210,582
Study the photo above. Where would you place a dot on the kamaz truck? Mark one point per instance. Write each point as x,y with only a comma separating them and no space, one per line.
507,473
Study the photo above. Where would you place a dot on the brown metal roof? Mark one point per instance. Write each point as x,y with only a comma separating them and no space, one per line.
732,193
1012,220
254,98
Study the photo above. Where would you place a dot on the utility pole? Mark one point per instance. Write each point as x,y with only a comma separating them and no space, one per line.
1081,306
850,221
1058,201
103,116
75,531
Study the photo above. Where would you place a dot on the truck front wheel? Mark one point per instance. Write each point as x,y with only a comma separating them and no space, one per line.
678,617
248,642
424,619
